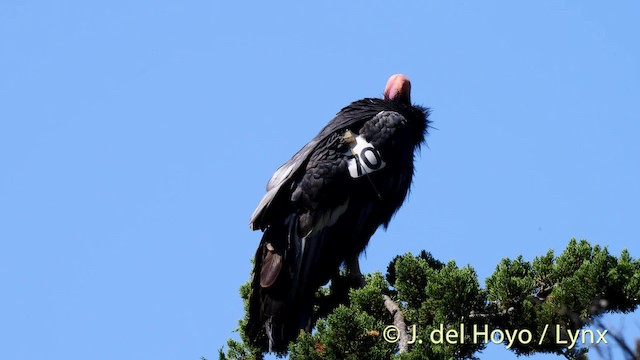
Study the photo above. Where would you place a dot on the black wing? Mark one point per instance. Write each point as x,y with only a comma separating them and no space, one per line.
352,116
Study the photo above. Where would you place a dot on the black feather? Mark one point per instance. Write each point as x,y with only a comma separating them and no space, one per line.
316,215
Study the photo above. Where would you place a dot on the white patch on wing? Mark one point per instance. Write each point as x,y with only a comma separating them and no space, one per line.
280,175
330,216
264,203
284,172
364,158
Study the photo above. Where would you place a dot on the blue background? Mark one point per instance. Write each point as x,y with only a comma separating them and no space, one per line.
136,138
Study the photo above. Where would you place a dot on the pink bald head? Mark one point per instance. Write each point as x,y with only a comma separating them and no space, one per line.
398,88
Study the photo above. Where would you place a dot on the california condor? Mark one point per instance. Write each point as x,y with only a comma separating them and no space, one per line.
323,205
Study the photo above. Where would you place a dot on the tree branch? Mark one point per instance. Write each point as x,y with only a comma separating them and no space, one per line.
398,322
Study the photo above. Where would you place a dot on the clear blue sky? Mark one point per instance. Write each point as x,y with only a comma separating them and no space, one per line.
136,138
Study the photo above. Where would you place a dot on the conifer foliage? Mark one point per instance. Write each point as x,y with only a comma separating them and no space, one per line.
426,309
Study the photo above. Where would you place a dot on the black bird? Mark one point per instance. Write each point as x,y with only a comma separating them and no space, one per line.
324,204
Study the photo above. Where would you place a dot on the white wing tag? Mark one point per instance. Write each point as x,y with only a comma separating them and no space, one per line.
363,158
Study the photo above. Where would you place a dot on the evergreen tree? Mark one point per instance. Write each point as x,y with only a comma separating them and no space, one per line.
426,309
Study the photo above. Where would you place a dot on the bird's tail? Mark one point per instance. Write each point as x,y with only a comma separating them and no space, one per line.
280,304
